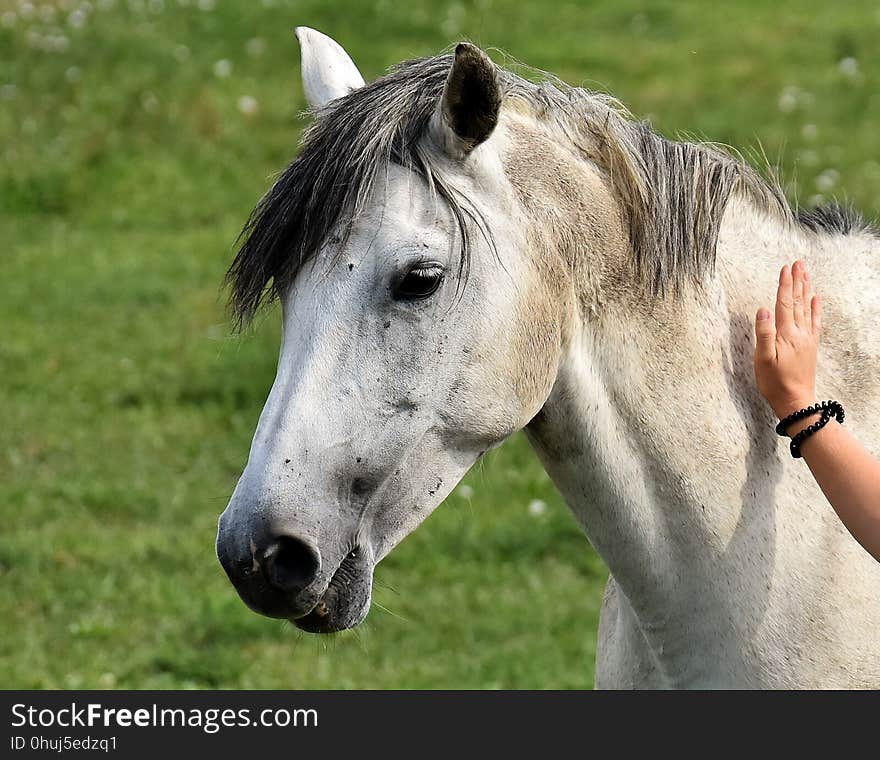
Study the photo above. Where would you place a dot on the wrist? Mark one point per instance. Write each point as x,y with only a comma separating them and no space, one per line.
789,406
795,427
806,422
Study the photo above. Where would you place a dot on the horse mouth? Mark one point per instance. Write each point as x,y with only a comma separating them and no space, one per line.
346,601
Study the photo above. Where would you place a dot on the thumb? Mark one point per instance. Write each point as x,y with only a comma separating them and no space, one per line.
765,335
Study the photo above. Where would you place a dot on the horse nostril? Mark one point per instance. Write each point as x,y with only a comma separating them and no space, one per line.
291,564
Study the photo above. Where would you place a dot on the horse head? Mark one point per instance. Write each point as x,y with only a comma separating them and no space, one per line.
416,333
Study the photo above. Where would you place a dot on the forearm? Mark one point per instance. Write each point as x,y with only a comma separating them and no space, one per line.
850,479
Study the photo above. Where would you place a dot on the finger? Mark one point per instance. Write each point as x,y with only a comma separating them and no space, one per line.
784,315
765,336
808,297
797,292
816,309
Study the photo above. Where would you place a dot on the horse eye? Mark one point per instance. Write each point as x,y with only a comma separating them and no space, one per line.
420,282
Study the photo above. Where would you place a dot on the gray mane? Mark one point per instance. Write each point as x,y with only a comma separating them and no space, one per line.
673,194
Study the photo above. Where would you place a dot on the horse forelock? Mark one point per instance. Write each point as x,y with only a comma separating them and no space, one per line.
326,187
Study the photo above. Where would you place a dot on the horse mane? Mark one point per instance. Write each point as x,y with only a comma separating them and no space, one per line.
673,194
835,219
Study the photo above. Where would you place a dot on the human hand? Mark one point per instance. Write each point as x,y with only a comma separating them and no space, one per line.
785,351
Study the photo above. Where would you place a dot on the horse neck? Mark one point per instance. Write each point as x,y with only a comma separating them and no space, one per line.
651,432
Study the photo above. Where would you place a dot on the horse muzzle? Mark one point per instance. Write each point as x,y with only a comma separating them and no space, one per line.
281,574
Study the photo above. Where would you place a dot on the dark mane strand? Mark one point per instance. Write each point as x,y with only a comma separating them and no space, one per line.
834,218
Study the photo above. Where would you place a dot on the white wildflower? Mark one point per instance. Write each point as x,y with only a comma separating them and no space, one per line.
788,100
255,47
149,102
849,67
77,18
827,180
223,68
248,105
809,131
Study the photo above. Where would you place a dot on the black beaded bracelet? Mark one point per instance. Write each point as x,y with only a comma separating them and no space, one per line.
828,410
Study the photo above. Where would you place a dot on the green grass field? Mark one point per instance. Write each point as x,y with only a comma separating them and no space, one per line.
134,139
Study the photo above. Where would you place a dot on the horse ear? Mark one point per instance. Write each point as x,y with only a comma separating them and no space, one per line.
471,99
327,71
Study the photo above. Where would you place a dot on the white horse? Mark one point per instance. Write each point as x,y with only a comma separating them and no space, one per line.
461,254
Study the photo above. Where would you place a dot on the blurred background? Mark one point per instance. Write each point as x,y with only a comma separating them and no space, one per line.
135,137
